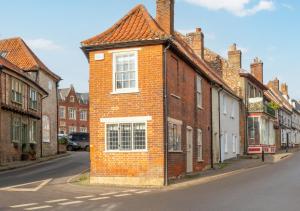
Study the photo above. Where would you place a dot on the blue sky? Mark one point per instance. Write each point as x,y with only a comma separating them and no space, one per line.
268,29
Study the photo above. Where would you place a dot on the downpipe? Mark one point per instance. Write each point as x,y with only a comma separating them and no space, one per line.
166,113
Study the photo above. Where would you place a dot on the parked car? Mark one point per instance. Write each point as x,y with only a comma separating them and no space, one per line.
77,141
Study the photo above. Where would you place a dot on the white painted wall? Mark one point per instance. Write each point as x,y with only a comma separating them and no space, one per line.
230,127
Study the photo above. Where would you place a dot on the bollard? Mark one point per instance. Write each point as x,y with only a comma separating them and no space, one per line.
263,156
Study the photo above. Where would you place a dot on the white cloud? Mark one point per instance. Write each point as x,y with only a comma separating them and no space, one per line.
236,7
288,6
43,44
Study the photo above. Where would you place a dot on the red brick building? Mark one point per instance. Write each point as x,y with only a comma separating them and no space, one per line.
150,101
73,111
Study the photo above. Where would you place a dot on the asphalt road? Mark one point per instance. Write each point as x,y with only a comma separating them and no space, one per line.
55,169
273,187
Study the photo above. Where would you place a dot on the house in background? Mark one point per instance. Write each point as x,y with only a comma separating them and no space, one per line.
257,118
295,122
225,105
17,52
73,111
20,113
285,113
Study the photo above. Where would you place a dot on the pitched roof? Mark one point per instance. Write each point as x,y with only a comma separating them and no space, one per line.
18,53
63,93
7,64
137,25
83,97
278,98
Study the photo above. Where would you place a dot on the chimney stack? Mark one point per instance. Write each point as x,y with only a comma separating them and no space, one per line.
196,41
165,15
235,56
274,84
257,69
284,89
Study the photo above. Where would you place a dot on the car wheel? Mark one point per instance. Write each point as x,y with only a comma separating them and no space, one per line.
69,148
87,148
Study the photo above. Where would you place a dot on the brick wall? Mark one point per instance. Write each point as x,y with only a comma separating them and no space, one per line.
182,106
122,167
66,122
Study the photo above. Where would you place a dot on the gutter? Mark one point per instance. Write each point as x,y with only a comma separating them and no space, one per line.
165,113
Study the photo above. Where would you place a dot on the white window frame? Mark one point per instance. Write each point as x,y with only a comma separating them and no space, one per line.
46,129
199,90
85,116
178,124
64,112
125,90
199,145
72,131
83,129
69,113
33,99
232,115
225,142
129,120
234,143
224,102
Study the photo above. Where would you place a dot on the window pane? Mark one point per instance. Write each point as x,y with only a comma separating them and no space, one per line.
125,71
139,136
125,137
112,137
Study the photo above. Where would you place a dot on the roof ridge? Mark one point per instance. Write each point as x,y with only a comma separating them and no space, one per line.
118,23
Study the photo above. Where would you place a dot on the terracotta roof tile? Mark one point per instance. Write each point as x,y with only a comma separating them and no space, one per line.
135,26
18,53
138,25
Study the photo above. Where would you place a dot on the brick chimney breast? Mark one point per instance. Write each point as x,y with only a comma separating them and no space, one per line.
257,69
235,56
165,15
196,41
276,84
284,89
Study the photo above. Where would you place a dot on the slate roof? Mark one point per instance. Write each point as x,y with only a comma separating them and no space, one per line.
17,52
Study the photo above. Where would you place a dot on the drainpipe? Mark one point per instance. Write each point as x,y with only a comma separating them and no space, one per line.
219,107
166,113
41,132
57,118
211,129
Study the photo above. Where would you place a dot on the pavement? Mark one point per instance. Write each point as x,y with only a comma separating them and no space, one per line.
21,164
246,184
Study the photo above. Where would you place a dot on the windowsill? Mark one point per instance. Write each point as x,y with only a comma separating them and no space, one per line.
127,91
33,109
175,151
200,161
200,107
175,96
125,151
46,142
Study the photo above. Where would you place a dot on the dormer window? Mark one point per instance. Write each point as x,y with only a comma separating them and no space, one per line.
125,72
3,54
72,99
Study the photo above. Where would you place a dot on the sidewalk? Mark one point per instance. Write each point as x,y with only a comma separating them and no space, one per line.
228,168
21,164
